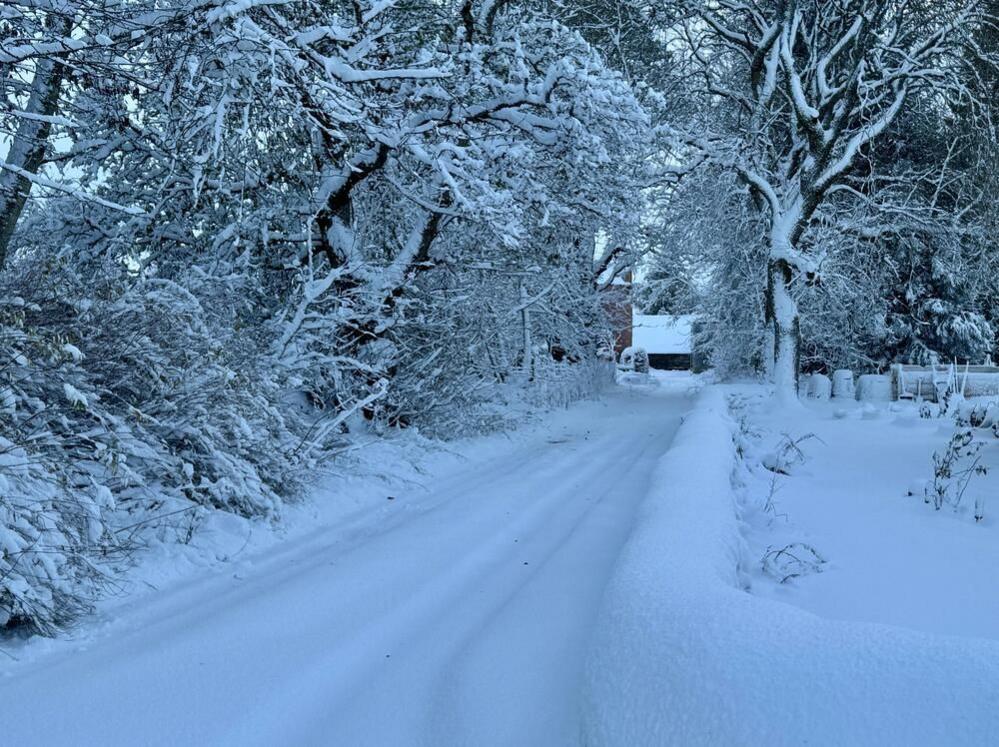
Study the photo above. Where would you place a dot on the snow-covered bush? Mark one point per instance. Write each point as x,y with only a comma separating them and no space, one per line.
121,396
204,392
559,384
58,464
635,359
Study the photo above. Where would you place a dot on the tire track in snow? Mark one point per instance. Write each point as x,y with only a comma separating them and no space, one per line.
573,513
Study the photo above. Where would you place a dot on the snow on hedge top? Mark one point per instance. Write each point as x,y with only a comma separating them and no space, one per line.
661,333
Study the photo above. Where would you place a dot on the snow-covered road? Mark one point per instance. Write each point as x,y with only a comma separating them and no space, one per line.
460,619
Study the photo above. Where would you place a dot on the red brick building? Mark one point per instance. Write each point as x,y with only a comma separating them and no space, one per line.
617,304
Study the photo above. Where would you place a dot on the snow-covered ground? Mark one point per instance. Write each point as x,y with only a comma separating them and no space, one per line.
889,557
684,653
453,605
595,579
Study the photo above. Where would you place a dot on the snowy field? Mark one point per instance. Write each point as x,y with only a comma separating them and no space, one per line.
855,495
888,644
452,605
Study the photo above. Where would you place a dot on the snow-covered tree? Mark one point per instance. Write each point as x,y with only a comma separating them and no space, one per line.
797,93
260,224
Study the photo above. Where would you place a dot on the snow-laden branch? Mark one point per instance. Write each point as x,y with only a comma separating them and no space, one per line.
69,189
861,138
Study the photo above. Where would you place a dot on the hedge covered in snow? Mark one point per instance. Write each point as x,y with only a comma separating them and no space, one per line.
130,405
116,407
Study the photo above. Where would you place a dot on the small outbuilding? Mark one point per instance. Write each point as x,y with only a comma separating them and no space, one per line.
667,340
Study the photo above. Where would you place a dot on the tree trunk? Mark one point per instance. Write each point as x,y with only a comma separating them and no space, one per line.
769,338
785,331
28,146
525,320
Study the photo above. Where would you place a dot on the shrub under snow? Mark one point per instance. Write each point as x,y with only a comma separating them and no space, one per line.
114,407
130,401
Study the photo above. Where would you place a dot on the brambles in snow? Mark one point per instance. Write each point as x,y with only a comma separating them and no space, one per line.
953,468
977,415
792,561
782,462
778,463
960,461
787,455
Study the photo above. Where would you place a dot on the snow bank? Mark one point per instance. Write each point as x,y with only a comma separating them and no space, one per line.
682,655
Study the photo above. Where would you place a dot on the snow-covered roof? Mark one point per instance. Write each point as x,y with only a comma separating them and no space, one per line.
661,334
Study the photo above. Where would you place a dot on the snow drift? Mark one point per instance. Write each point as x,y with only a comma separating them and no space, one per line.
683,655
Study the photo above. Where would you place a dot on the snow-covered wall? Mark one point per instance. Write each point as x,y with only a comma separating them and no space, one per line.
682,654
